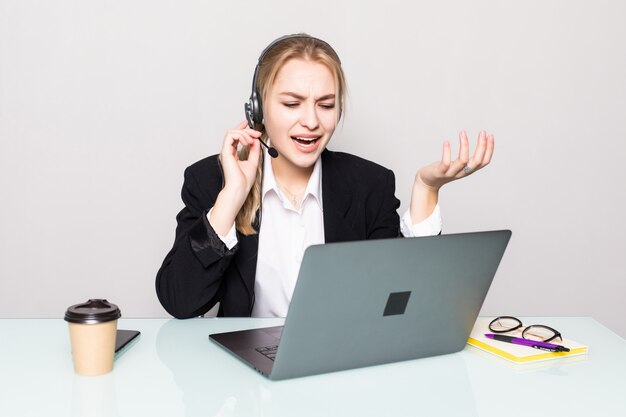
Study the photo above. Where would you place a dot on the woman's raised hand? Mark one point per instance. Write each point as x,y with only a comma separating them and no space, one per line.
432,177
239,176
442,172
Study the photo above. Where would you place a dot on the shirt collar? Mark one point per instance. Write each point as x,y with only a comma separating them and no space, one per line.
313,188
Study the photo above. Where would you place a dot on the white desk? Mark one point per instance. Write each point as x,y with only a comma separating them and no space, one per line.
175,370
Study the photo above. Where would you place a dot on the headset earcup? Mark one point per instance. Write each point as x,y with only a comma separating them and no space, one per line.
257,108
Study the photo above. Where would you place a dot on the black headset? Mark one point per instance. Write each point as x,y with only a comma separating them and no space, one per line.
254,107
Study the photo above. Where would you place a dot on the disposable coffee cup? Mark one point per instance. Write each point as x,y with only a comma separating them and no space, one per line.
93,327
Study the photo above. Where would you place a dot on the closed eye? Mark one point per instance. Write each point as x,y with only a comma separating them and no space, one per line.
324,106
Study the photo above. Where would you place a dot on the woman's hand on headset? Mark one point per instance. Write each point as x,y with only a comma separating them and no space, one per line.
239,175
432,177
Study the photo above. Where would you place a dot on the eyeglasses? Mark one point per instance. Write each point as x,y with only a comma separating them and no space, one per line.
537,332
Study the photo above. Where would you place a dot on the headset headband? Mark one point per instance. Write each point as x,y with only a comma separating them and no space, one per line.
295,36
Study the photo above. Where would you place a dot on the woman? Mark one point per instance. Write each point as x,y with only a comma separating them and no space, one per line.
248,218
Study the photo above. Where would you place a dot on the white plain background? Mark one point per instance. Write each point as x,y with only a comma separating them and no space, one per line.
104,103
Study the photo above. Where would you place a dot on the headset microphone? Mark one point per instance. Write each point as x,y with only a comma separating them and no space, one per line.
272,151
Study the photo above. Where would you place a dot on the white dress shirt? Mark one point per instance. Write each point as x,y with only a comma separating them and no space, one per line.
286,232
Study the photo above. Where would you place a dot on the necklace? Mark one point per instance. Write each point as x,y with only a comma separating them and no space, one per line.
292,197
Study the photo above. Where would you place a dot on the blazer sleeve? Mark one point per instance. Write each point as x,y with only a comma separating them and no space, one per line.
189,282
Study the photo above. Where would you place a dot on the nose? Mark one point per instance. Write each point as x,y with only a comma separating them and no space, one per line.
309,117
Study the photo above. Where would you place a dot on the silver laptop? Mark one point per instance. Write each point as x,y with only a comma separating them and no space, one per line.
372,302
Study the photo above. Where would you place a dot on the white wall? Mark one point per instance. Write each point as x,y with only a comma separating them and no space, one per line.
104,103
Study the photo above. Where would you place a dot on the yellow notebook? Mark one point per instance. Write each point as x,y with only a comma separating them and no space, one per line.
518,353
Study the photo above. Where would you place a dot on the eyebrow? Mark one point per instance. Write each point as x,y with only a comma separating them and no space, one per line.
299,97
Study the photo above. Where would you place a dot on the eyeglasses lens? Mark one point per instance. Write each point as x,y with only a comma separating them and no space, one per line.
539,333
504,324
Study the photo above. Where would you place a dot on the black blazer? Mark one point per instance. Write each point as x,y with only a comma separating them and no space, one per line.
199,271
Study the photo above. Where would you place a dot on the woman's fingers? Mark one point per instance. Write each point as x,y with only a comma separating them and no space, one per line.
233,136
464,151
241,125
457,165
241,134
482,155
484,151
238,136
240,174
446,158
440,173
479,153
489,150
254,154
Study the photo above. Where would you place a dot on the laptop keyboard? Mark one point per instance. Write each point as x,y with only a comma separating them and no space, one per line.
268,351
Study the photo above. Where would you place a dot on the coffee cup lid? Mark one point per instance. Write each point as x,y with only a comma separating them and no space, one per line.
92,312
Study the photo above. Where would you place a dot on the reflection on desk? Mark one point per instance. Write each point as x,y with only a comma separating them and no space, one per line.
175,370
217,383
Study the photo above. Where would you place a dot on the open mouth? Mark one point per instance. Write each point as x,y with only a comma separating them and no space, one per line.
305,141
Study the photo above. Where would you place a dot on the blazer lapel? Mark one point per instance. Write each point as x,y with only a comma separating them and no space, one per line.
337,199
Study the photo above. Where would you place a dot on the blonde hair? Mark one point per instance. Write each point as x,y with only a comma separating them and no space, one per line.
304,47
